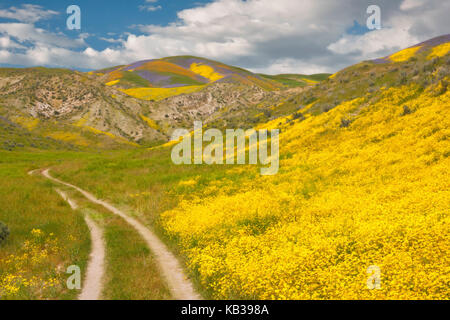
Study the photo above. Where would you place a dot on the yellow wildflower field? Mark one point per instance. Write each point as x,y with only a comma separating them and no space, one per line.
159,93
206,71
404,55
375,193
35,252
440,50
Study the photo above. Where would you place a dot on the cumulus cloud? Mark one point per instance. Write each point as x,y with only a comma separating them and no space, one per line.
416,21
280,36
29,13
25,32
307,36
7,43
411,4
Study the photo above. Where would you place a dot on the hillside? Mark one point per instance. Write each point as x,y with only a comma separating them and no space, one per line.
165,77
70,107
363,185
363,181
425,64
135,105
297,80
142,103
366,183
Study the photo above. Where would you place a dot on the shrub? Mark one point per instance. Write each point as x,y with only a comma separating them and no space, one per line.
406,110
4,232
267,113
298,115
345,123
403,78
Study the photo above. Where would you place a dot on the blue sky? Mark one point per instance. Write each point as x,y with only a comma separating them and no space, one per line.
283,36
103,17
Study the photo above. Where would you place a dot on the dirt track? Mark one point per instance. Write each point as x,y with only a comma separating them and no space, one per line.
93,285
179,285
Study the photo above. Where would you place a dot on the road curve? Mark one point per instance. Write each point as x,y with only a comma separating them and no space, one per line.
93,284
180,286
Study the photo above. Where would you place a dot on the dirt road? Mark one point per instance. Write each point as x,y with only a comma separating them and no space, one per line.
92,284
179,285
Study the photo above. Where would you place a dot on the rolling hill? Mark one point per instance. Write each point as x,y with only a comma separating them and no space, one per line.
140,104
135,105
363,182
165,77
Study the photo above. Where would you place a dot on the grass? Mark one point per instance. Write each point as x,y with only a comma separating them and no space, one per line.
131,270
29,203
297,80
133,273
325,168
148,184
134,79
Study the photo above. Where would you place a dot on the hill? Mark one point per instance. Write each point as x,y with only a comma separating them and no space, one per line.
425,64
165,77
142,103
69,106
135,105
297,80
363,185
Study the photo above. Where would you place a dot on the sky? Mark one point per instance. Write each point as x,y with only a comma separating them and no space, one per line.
267,36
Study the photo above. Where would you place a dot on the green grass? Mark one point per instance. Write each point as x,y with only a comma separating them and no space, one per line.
30,202
296,80
180,79
286,81
134,79
117,175
131,269
27,203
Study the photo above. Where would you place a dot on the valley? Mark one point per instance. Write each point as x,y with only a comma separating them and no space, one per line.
363,179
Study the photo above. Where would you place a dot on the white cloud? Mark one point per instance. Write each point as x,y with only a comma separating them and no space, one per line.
401,30
411,4
25,32
28,13
283,66
7,43
280,36
150,8
375,44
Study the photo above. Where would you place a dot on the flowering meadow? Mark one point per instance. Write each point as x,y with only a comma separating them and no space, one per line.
364,184
23,273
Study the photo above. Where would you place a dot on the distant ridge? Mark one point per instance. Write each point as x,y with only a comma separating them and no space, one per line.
179,71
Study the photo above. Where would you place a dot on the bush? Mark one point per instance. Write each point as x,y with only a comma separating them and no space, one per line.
406,110
345,123
4,232
298,115
267,113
